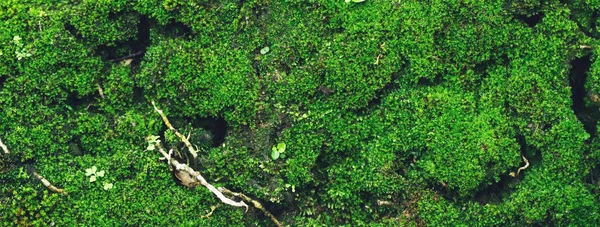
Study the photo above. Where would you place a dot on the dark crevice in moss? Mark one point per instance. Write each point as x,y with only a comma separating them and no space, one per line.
381,93
592,179
216,125
78,103
531,153
532,19
177,29
595,17
255,62
71,29
143,35
2,80
276,209
319,170
495,192
135,49
219,131
426,82
591,31
577,78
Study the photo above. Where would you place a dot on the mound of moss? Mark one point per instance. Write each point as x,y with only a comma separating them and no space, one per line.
386,113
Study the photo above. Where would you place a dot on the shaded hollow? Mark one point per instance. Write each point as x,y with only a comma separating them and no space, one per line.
217,126
531,20
577,79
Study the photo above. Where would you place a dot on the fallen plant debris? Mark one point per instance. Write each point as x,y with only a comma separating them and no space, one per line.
49,185
191,178
4,148
513,174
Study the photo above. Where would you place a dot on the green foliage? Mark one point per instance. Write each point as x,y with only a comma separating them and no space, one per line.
378,113
210,81
278,151
103,22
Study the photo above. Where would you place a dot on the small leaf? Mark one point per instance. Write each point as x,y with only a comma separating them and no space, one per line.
108,186
274,154
281,147
265,50
150,147
153,139
100,174
93,178
88,172
282,155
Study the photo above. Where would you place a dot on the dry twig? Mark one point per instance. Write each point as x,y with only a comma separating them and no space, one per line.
256,204
195,175
100,91
183,167
521,168
48,184
183,139
4,147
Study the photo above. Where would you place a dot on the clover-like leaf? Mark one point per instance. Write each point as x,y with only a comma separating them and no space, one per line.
107,186
153,139
100,173
90,171
93,178
281,147
150,147
264,50
274,154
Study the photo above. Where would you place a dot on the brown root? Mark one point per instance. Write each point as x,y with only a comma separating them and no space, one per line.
49,185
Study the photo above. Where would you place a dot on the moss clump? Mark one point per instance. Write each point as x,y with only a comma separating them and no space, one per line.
393,113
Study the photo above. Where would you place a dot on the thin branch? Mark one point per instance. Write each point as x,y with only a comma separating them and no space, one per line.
181,136
127,57
524,167
4,147
512,174
256,204
384,203
183,167
100,91
212,209
48,184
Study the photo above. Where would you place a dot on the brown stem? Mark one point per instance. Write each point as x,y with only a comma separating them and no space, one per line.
256,204
183,139
48,184
4,147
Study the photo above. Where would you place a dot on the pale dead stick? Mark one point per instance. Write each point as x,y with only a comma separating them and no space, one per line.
4,147
48,184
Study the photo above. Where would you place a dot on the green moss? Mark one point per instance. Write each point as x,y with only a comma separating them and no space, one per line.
393,113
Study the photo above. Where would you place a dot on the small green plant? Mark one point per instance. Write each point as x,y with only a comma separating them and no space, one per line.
264,50
277,151
93,173
151,141
23,53
107,185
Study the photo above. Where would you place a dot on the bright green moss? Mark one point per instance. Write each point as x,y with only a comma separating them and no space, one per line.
204,82
392,112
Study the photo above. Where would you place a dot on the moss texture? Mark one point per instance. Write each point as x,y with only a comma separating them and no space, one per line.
407,112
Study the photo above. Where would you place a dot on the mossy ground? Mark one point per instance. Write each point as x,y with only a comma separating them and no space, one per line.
393,112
